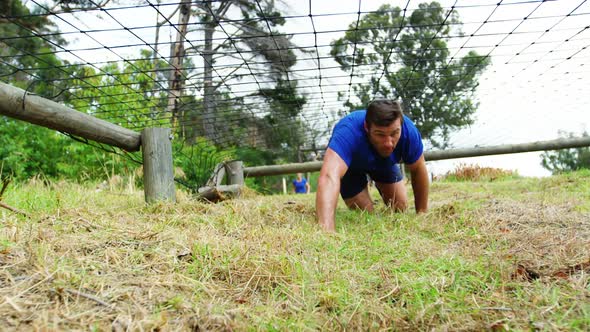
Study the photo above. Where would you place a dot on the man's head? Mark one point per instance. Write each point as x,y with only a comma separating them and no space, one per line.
383,124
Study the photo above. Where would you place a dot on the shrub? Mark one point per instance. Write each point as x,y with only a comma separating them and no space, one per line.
464,172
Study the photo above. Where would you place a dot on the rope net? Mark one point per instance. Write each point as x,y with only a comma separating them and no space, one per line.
264,81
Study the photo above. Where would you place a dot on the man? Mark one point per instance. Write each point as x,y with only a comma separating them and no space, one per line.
371,142
300,185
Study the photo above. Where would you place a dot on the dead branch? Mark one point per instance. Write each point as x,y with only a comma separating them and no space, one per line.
8,207
496,308
5,183
66,7
219,193
89,297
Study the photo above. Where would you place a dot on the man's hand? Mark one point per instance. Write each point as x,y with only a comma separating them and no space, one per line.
420,184
326,200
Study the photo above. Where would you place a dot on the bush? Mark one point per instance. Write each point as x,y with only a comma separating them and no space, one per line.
27,150
464,172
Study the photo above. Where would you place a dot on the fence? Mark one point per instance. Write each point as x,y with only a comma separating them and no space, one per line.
236,76
154,142
157,150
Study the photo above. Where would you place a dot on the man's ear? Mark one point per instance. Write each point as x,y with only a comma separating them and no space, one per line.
365,126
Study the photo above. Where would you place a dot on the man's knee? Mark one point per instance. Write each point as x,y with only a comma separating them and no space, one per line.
359,205
361,201
400,205
394,195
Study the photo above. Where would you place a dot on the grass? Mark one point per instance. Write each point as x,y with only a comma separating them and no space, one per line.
487,256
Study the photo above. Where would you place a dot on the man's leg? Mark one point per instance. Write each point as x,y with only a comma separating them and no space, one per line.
394,195
361,201
354,191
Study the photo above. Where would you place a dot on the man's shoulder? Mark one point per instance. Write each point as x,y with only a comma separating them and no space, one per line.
409,128
348,137
410,146
351,123
408,121
357,116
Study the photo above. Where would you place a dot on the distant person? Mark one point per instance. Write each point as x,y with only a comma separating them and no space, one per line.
371,142
300,185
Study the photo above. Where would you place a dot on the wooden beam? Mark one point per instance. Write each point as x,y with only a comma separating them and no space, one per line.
311,166
220,193
18,104
556,144
314,166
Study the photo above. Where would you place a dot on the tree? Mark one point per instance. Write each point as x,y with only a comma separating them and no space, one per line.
566,160
231,30
122,94
76,5
406,57
29,62
27,59
283,130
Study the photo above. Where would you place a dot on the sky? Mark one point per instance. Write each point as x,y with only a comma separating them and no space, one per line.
520,101
537,84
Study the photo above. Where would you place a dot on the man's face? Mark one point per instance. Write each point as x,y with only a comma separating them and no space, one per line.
384,139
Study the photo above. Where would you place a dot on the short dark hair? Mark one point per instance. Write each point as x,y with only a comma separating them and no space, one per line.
383,112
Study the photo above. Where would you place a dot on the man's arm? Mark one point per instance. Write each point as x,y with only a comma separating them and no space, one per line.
326,199
420,184
308,186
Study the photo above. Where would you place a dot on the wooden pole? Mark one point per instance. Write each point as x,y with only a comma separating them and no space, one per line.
235,172
310,166
556,144
220,193
18,104
158,172
314,166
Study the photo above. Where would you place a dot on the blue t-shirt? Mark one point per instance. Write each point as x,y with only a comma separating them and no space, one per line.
300,186
349,140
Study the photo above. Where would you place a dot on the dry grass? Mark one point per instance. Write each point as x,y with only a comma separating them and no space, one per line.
510,254
464,172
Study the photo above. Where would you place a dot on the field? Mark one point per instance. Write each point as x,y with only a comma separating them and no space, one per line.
495,254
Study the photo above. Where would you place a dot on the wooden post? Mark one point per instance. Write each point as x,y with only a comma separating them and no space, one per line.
158,172
284,186
235,172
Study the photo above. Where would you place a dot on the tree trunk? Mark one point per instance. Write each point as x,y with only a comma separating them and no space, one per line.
176,85
209,89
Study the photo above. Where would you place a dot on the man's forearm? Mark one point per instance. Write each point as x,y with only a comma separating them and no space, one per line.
326,202
420,186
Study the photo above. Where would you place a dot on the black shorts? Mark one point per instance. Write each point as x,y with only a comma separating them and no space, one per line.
355,181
